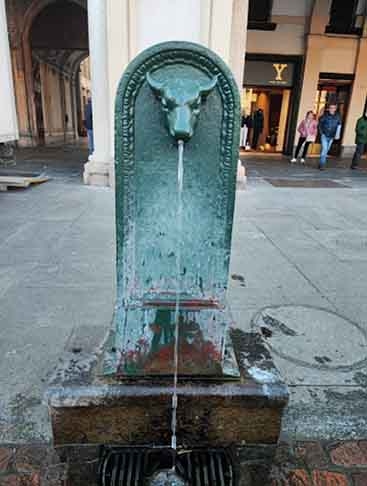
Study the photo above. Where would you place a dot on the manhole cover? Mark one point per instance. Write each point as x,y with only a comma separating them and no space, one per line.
313,337
307,183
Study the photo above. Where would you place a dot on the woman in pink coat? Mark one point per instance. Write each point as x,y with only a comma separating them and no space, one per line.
307,134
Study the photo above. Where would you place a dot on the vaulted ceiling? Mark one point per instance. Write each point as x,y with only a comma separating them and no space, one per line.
59,35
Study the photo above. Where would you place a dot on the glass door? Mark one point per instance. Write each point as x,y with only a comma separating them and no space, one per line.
340,92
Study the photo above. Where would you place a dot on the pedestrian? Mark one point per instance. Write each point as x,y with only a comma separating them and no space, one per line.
245,125
89,125
330,125
307,130
258,127
361,140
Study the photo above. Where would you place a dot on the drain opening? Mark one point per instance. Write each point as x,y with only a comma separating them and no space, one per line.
122,466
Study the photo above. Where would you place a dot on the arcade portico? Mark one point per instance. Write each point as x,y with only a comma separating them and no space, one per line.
48,41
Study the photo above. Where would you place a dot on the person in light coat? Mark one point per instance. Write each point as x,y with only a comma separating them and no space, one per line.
307,130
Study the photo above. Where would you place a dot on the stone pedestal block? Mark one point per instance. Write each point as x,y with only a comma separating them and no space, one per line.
86,408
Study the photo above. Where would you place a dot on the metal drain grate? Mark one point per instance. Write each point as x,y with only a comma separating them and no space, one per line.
121,466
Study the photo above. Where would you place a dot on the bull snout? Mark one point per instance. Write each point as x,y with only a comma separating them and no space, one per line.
181,122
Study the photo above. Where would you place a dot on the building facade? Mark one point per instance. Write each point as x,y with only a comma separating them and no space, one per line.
335,64
288,57
300,55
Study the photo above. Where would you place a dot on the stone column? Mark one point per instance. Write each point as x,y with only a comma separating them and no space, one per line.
313,57
96,171
223,28
8,119
357,99
314,46
238,40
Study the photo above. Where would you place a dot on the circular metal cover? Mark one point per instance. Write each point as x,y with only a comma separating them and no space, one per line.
313,337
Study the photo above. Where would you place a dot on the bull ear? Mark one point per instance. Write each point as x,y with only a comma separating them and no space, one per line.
156,86
207,87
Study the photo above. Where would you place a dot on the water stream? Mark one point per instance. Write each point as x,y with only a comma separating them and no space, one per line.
180,173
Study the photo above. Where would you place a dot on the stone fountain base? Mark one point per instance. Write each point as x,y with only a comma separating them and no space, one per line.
86,408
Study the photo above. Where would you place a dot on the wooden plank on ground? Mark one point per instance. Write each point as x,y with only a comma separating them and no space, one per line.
18,181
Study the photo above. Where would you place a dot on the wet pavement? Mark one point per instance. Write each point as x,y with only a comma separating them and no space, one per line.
299,277
300,248
277,171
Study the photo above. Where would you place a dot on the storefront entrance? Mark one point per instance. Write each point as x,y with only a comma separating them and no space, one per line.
269,102
337,91
274,103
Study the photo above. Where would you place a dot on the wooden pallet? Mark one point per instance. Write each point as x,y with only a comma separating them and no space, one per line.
19,181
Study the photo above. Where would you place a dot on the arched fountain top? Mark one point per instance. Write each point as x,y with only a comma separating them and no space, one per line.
170,53
173,91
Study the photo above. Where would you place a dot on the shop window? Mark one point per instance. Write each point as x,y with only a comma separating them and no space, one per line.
259,15
343,18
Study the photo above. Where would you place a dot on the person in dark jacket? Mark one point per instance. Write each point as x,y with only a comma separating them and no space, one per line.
89,125
258,127
361,140
330,127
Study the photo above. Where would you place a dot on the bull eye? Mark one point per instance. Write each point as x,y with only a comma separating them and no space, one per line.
164,104
168,104
195,105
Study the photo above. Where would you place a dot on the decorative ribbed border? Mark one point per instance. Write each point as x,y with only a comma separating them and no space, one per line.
152,59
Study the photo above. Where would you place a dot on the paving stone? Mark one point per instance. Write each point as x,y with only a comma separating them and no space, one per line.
30,457
294,477
350,454
311,453
6,458
32,480
11,480
363,443
360,479
56,475
298,477
329,478
21,480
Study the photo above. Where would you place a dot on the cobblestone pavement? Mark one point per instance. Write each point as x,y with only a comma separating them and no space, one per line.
299,271
299,464
321,464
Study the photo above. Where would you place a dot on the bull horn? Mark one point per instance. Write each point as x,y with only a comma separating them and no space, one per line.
206,88
156,86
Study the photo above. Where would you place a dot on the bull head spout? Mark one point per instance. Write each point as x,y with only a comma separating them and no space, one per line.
181,101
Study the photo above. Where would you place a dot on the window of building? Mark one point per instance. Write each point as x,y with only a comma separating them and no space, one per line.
259,15
343,17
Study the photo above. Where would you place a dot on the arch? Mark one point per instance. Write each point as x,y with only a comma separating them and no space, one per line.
35,8
30,15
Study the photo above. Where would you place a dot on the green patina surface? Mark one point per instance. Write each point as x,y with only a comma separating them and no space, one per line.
173,91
